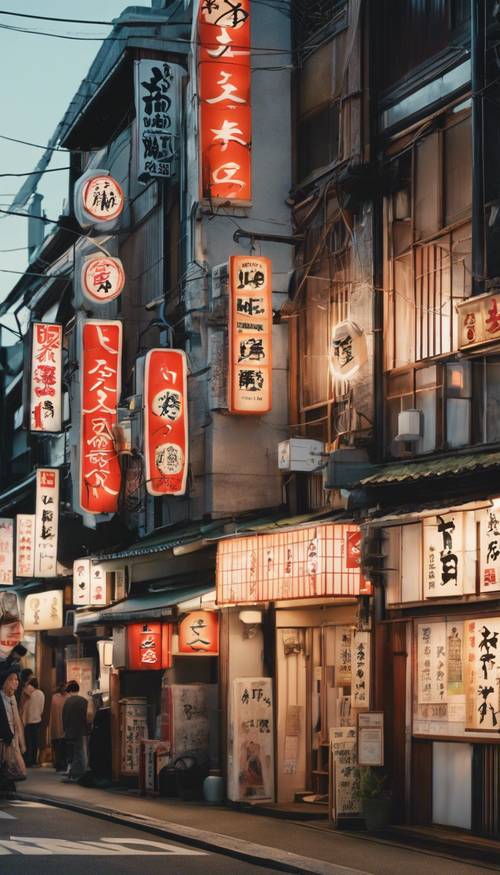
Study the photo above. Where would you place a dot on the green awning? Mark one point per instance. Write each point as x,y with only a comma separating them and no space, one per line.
150,606
450,466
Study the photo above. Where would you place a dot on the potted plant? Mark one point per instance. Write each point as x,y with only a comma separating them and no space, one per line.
375,797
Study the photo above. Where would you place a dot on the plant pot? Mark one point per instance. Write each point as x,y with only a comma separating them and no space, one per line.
377,813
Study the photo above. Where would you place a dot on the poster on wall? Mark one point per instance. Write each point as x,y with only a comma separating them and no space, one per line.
360,670
343,652
134,729
81,671
81,581
371,738
224,83
349,350
157,98
250,335
102,278
345,796
166,434
199,634
6,551
443,538
432,663
489,550
25,544
188,716
252,762
100,361
43,611
482,662
46,522
45,413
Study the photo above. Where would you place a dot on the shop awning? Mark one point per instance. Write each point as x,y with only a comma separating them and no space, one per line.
150,606
451,466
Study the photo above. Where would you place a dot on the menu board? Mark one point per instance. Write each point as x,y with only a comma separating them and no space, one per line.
371,738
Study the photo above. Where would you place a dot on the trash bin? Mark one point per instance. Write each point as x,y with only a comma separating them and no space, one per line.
189,777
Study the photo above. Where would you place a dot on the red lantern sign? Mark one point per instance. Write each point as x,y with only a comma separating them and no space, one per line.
199,634
46,377
149,646
224,93
103,279
166,422
250,335
100,385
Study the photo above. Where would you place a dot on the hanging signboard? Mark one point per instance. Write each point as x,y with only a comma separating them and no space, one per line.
149,646
443,555
25,544
304,563
349,350
100,360
102,278
251,774
360,667
199,634
489,553
157,92
478,321
482,661
250,335
6,551
46,377
98,200
43,610
224,79
46,522
81,581
166,433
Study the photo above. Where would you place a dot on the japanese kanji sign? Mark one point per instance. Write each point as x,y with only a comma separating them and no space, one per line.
43,610
360,668
224,94
489,564
149,646
166,422
478,320
199,634
443,555
103,278
46,522
81,581
250,335
251,772
6,551
98,200
46,377
305,563
432,663
482,667
349,351
25,544
157,86
100,360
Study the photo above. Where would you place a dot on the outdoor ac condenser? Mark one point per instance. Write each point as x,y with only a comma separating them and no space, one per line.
300,454
409,425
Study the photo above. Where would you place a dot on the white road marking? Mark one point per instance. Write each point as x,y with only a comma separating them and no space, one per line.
111,847
5,816
22,804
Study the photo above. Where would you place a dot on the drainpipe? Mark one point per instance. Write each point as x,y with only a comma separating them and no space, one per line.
478,54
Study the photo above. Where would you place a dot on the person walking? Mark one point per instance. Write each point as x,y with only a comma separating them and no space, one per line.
56,728
24,689
31,715
12,767
76,729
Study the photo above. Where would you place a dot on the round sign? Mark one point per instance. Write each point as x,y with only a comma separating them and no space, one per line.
103,278
168,404
103,198
169,459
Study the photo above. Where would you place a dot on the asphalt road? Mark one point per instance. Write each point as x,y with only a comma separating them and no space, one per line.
37,839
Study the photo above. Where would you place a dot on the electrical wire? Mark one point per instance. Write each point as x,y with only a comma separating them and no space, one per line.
35,172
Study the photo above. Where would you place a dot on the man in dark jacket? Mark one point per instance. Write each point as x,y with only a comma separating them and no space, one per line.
75,725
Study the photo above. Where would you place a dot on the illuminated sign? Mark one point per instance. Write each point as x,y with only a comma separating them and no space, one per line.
149,646
224,86
43,610
6,551
46,377
46,522
478,320
349,350
250,335
157,88
25,544
166,422
81,581
199,634
100,360
103,278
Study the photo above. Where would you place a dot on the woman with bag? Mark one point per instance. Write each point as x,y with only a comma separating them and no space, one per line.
12,746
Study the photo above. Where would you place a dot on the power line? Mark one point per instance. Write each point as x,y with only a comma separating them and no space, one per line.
34,145
35,172
52,18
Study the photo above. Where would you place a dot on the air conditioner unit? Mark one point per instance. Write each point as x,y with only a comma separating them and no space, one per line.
220,280
300,454
409,425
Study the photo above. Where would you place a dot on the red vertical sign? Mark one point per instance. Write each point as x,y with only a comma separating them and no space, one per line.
166,422
100,386
149,646
224,94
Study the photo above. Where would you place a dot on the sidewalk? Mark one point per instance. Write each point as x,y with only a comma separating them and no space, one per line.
319,848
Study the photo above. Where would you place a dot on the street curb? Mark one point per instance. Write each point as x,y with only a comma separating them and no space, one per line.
229,846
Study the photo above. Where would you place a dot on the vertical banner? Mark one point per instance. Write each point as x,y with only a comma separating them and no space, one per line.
250,335
6,551
46,522
157,93
100,363
224,80
251,773
81,581
25,544
360,667
432,663
46,377
149,646
166,435
482,660
489,561
443,555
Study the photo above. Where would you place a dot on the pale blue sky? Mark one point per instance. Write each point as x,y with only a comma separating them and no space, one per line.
40,75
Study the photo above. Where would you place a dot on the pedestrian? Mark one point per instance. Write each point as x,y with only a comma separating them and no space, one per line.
12,767
31,715
76,729
24,689
56,728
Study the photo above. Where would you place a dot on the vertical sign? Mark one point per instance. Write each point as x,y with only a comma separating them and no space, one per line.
360,666
100,362
98,587
346,798
250,335
443,555
6,551
251,773
149,646
166,422
489,565
157,87
482,668
46,377
224,94
46,522
432,663
81,581
25,545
